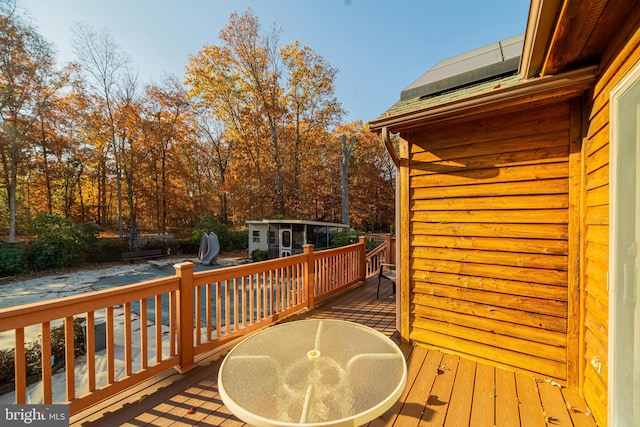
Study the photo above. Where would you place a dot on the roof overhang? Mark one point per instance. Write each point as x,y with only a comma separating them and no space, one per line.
563,35
543,15
562,86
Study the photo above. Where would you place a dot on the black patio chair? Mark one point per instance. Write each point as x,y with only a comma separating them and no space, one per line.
388,271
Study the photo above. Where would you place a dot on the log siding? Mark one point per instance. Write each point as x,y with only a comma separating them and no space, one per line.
621,57
489,239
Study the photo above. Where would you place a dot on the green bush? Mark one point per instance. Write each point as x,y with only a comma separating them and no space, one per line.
350,237
12,259
60,243
240,239
108,250
7,367
346,237
209,224
184,246
51,252
259,255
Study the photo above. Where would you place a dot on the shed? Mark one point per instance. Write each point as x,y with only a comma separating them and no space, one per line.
519,203
284,237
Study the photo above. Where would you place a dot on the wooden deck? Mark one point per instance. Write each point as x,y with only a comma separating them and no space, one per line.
442,389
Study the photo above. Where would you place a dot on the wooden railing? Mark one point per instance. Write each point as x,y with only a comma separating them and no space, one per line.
115,308
384,253
165,323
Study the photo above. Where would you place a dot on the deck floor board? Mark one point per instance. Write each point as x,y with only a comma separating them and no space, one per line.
483,408
439,400
441,389
529,399
507,412
459,413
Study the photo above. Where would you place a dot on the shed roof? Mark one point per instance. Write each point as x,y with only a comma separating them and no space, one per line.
296,221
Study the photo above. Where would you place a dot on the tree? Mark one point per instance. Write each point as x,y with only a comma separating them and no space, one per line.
166,111
371,183
311,106
347,149
26,66
217,149
272,101
49,147
107,67
69,128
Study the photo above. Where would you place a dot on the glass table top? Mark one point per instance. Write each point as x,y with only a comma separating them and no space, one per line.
312,372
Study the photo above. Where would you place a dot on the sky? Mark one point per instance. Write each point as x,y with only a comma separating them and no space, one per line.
379,46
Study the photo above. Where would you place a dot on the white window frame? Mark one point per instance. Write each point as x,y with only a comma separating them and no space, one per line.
631,79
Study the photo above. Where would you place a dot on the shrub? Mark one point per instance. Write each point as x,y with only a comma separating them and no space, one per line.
240,239
259,255
349,237
7,367
209,224
108,250
346,237
184,246
57,339
59,242
12,259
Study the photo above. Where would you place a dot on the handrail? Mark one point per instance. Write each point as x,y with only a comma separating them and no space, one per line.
174,319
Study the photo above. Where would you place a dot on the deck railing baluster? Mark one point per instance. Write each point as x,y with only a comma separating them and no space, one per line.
143,335
128,340
69,357
90,344
158,320
173,326
110,347
235,303
197,307
20,368
218,310
208,312
45,360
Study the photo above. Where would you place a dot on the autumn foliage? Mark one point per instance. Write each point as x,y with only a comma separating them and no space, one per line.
253,131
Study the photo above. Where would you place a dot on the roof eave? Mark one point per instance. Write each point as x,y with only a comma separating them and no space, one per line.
541,25
566,83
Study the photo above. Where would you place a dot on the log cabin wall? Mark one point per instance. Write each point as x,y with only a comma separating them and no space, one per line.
622,55
490,233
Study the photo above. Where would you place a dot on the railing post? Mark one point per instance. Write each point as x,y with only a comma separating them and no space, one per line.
310,276
390,252
184,271
363,258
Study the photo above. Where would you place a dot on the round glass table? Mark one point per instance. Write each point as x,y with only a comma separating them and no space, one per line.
312,372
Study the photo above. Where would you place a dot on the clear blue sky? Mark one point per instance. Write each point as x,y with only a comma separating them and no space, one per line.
379,46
